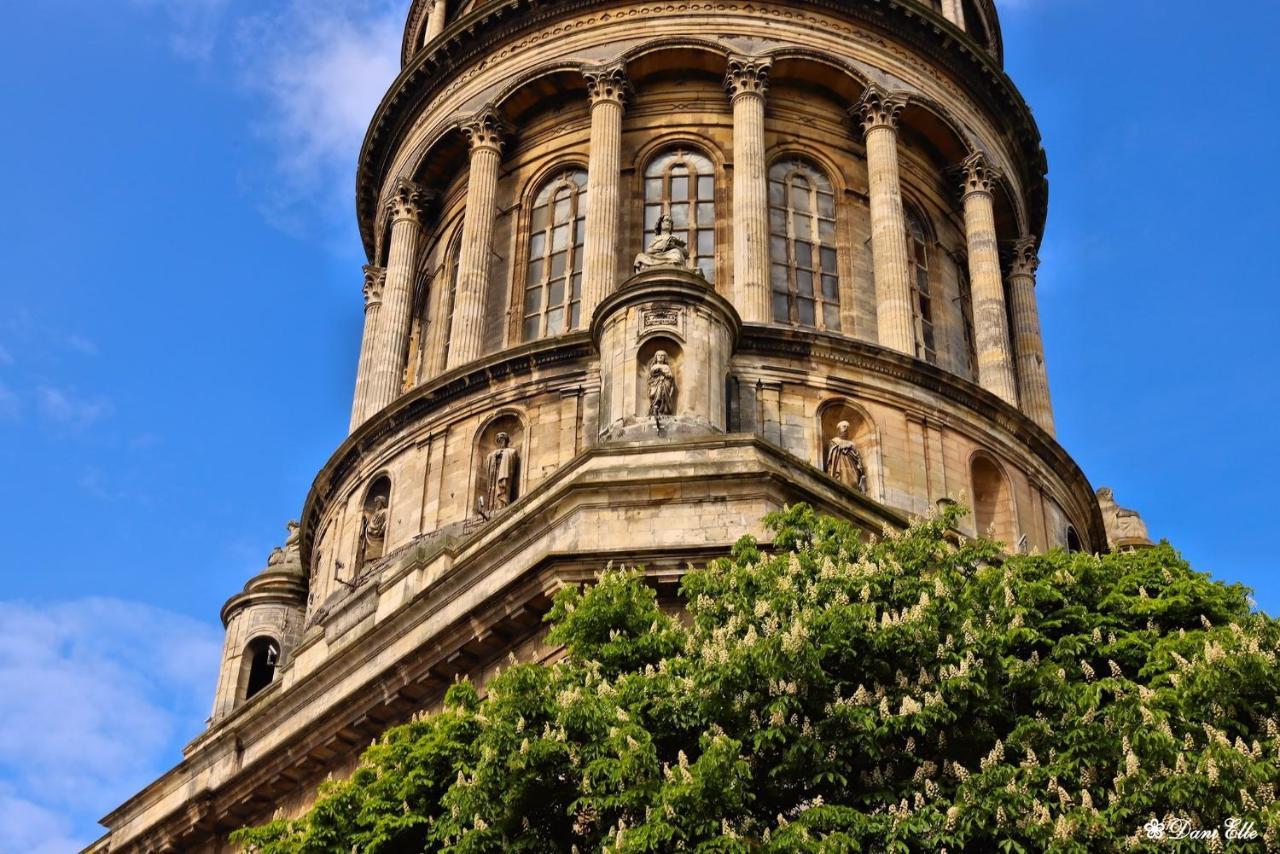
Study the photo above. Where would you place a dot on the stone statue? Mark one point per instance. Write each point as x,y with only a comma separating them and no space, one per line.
500,470
665,250
290,552
844,463
1124,527
373,533
662,386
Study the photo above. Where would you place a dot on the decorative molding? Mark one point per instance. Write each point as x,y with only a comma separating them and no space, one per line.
747,75
879,108
485,130
374,279
1025,261
977,175
406,201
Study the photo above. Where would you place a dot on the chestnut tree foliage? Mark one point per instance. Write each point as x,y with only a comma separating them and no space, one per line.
913,693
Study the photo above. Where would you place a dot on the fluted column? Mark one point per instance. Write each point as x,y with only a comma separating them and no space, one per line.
1033,379
895,324
990,317
746,82
435,21
386,362
607,89
484,132
374,279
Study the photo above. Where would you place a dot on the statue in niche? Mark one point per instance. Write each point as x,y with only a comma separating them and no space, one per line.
1124,526
844,463
662,386
373,529
500,468
665,250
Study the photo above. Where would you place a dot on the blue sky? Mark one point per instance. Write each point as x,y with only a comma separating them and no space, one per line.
181,317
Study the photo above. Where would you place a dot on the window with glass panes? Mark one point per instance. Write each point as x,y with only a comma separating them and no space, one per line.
553,279
682,184
921,301
452,255
966,317
802,246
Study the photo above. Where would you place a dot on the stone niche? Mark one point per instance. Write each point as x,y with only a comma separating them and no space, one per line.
665,339
861,431
498,464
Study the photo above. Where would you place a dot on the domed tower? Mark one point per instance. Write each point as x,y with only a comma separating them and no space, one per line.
639,274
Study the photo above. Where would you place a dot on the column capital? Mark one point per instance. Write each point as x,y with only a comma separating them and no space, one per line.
607,83
485,130
878,108
375,278
1024,260
747,75
406,201
977,175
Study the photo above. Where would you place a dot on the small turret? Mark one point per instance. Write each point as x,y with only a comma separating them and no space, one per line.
263,624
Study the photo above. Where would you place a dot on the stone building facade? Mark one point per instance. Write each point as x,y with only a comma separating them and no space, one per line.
639,274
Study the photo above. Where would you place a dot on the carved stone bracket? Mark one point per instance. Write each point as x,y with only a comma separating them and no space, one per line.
485,129
1024,261
747,75
878,108
374,279
977,175
406,201
607,83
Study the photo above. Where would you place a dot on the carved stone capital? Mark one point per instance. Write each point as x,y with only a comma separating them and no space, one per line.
977,175
406,201
747,75
878,108
374,278
485,130
607,83
1024,261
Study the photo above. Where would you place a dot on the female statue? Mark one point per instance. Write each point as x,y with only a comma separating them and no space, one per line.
662,386
844,463
665,250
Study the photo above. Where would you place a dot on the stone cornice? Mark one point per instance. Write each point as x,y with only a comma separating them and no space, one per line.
470,37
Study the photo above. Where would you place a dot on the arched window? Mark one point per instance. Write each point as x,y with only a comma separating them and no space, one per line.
992,501
446,305
802,246
682,184
261,657
966,318
1073,540
553,281
918,240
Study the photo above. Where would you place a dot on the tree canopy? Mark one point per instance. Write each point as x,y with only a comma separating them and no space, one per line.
918,692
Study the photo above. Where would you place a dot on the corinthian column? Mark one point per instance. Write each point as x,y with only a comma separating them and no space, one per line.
1033,380
746,82
484,132
374,279
386,362
895,324
435,21
990,320
607,89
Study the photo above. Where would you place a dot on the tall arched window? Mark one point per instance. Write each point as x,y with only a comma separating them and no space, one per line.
260,659
452,254
802,246
682,183
918,239
966,318
553,280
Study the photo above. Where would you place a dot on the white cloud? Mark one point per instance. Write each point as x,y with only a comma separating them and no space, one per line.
10,404
68,408
194,24
96,696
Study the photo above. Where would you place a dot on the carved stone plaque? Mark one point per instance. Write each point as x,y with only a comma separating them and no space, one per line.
661,316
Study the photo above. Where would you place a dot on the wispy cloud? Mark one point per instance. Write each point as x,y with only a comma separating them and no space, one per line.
68,408
194,24
95,697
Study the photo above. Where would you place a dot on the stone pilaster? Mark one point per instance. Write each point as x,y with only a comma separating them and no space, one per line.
607,88
746,82
374,280
990,317
1033,379
895,325
484,132
953,11
435,20
386,361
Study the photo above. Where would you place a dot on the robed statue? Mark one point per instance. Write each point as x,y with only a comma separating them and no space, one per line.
662,386
500,468
373,533
665,250
1123,526
844,463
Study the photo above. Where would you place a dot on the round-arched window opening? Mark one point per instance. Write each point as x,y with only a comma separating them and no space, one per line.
263,654
1073,540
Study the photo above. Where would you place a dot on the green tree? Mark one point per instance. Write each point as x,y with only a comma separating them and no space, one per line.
913,693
